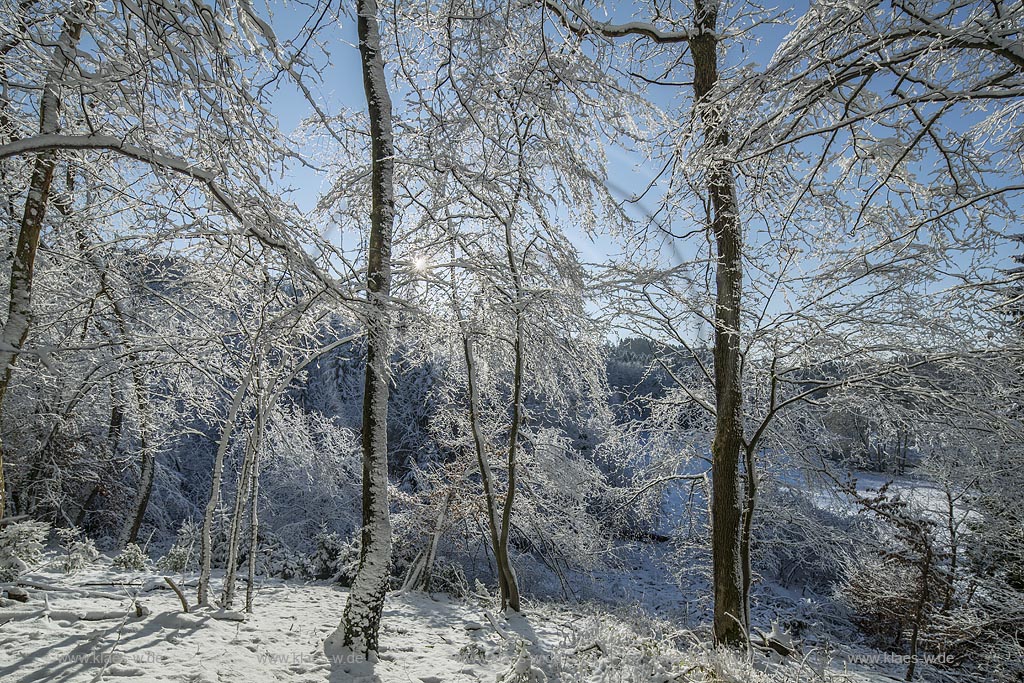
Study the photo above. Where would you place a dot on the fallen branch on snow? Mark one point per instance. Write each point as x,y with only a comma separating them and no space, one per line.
177,591
42,586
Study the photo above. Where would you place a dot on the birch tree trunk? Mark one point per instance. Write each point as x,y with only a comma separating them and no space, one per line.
19,312
730,625
360,623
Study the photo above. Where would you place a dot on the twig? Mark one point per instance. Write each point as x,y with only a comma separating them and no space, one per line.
494,622
4,521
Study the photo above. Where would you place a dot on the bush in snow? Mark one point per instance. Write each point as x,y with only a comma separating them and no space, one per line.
21,545
522,669
880,593
335,558
79,549
310,480
131,558
448,577
182,555
474,653
276,558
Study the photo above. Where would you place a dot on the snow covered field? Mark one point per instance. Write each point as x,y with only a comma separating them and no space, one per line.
87,627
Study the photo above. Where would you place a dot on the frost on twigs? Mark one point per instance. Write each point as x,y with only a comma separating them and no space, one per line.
21,546
131,559
79,550
522,669
182,556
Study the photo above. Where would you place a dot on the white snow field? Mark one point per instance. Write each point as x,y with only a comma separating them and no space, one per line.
87,627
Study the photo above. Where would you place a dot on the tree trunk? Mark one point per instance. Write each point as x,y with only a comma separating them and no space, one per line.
952,528
360,623
422,567
510,596
147,471
486,476
749,507
243,490
19,312
730,625
206,541
922,600
254,527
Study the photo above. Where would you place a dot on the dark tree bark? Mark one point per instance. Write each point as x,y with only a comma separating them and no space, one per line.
19,312
361,620
486,475
730,618
730,625
510,596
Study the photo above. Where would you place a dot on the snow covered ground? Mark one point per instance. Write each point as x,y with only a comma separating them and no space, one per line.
81,636
87,627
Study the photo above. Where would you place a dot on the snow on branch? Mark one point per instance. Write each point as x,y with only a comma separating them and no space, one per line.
585,25
48,142
42,143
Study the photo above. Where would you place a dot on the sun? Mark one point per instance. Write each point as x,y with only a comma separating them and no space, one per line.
420,264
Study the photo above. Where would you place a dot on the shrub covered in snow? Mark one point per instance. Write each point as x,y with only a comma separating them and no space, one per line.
182,556
448,577
132,558
79,550
335,558
21,545
310,478
522,669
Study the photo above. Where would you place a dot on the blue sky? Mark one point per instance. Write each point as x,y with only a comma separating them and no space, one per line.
629,173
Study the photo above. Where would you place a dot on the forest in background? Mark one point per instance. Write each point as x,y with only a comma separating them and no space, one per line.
418,381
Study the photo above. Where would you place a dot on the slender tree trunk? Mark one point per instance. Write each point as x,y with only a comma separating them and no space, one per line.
954,543
510,598
360,623
206,541
922,600
422,568
749,506
140,387
254,527
19,312
730,625
147,470
486,476
242,493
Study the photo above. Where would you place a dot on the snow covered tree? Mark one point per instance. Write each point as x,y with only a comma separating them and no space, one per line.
813,295
360,624
121,101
